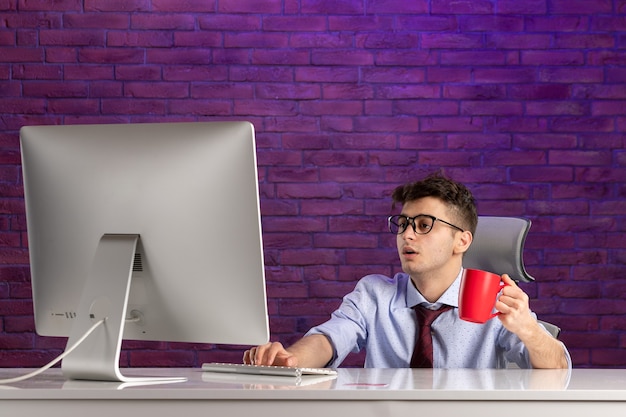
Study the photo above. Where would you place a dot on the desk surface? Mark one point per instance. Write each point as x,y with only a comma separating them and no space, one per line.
366,384
241,394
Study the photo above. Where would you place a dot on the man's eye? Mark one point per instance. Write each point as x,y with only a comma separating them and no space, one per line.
401,221
423,225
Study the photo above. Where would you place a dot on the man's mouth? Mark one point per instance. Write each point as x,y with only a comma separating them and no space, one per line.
408,251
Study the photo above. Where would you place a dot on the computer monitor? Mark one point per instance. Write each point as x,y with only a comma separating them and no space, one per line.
153,227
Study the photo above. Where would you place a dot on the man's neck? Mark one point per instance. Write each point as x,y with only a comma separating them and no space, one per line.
432,285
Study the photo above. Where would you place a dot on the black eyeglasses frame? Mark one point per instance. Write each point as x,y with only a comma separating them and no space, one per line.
411,221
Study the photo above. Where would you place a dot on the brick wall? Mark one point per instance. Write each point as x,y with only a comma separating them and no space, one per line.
524,101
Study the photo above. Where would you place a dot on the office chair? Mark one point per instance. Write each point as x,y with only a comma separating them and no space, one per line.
498,247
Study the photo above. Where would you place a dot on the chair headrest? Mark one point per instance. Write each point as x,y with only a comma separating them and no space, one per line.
498,247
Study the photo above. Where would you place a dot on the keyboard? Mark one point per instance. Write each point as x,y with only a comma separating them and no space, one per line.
239,368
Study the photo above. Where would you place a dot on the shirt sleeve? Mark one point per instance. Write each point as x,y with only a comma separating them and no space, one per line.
347,327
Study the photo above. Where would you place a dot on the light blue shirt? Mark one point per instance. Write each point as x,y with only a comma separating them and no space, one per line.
377,316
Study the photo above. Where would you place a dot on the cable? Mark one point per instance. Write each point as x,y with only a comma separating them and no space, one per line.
55,361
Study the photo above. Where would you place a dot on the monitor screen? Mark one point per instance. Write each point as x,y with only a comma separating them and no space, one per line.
154,228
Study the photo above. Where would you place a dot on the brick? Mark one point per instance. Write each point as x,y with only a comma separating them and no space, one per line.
553,58
556,23
96,20
562,157
498,23
118,5
397,41
74,37
599,91
74,106
446,158
571,75
144,39
610,23
583,124
557,108
196,56
202,73
37,71
325,7
261,6
291,91
519,41
607,57
280,57
347,108
359,23
405,58
450,74
492,108
588,41
540,92
600,174
397,7
341,241
475,92
456,57
221,22
149,89
498,76
378,107
110,56
526,7
556,174
341,57
608,108
300,191
426,108
568,191
294,24
462,7
320,40
255,40
200,107
450,124
410,91
133,106
264,107
383,75
184,6
152,21
293,124
13,55
58,6
447,41
581,6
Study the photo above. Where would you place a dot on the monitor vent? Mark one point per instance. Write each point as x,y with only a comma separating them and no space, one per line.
137,263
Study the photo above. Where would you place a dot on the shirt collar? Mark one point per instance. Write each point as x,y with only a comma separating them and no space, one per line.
449,297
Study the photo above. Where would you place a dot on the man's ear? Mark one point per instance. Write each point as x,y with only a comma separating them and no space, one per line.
464,241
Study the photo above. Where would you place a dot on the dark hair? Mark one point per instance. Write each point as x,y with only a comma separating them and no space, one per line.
454,194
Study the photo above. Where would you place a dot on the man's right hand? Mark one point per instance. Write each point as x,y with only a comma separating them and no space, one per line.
272,353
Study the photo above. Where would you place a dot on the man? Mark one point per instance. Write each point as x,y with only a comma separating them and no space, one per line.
434,230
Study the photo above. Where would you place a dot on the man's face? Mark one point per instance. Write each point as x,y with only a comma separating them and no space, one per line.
427,253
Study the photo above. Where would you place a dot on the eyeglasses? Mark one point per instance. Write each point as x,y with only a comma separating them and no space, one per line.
422,223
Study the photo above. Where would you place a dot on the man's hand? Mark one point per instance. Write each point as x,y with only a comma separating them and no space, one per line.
313,351
513,304
544,350
272,353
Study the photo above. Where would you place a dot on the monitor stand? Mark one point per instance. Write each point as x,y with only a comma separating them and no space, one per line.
105,296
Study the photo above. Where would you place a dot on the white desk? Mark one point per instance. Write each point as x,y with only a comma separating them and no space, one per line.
355,392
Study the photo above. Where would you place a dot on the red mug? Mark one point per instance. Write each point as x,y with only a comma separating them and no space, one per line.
478,295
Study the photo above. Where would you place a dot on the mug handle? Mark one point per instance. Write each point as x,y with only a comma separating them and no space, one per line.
497,313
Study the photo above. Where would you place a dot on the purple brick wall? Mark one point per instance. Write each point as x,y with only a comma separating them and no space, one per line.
524,101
